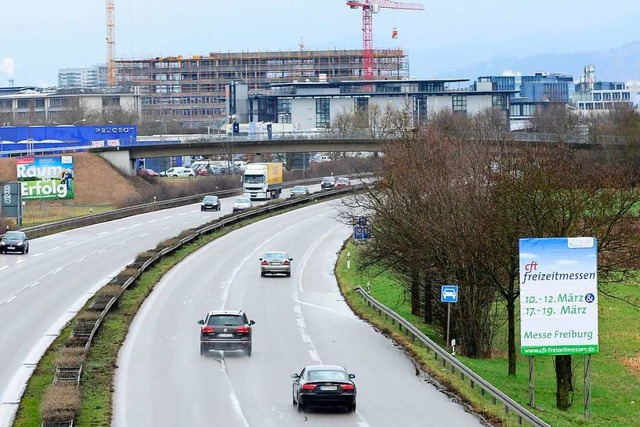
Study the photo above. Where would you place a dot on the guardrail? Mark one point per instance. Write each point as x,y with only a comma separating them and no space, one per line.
82,221
523,414
73,375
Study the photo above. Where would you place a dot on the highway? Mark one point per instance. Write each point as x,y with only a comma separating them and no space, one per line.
41,291
162,379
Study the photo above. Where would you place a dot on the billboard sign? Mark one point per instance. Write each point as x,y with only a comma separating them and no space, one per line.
558,296
104,135
46,177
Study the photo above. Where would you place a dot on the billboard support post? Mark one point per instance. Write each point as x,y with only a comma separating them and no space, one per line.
532,387
587,386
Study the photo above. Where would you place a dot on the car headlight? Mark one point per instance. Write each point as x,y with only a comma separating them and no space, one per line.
19,244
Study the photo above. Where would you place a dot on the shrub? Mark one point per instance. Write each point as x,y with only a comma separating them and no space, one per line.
60,403
108,291
70,357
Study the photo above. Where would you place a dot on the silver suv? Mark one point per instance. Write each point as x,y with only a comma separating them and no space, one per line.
225,330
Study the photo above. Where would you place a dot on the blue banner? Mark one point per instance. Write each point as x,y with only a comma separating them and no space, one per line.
102,135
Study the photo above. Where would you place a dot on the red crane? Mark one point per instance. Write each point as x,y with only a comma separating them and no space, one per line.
369,7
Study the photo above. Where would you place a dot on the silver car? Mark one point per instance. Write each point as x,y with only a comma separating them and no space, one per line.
242,203
299,190
275,263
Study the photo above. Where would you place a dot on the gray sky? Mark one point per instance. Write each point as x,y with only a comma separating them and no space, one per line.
38,37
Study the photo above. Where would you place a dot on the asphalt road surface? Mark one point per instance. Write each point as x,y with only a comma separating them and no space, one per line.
41,291
162,379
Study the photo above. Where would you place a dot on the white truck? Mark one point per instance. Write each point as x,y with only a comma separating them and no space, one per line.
262,180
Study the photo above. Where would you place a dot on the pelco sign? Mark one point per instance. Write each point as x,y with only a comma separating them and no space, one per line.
114,129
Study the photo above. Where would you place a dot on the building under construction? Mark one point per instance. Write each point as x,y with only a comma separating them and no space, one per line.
194,91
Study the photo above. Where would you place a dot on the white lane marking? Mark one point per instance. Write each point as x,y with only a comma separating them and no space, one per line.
101,252
297,308
70,243
54,249
121,228
166,228
40,254
152,221
235,402
11,299
168,217
21,260
4,267
103,233
57,270
143,235
137,224
34,284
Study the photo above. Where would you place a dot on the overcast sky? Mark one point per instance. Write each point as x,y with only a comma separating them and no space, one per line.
38,37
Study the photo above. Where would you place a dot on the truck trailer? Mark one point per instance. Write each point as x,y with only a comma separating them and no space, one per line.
262,180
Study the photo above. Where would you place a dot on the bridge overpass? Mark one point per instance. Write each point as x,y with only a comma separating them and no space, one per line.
125,157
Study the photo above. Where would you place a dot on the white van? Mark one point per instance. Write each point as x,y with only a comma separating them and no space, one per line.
178,171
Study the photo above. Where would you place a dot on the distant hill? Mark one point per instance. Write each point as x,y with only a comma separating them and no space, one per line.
620,64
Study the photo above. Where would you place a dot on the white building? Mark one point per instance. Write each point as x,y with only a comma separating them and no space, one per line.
87,78
313,105
31,105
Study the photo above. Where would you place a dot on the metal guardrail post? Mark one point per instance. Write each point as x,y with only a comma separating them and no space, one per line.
485,387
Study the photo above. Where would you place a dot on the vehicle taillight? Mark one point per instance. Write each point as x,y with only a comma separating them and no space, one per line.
347,386
286,262
243,330
265,262
308,386
207,329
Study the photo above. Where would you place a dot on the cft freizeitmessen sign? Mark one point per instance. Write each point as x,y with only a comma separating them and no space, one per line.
558,296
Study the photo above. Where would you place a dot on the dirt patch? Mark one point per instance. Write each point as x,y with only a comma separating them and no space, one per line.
633,364
97,182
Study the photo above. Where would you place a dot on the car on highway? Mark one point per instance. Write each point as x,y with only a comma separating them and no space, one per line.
342,182
242,203
275,262
14,241
324,385
300,190
210,202
178,171
328,183
225,330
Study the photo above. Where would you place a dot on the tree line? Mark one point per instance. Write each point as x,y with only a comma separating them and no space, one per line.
454,196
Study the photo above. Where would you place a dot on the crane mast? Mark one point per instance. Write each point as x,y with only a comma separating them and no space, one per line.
111,44
369,7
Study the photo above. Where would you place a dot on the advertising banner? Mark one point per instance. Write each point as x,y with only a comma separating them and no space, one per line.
46,177
105,135
558,296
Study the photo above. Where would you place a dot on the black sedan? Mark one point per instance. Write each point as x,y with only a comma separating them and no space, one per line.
324,385
14,241
210,202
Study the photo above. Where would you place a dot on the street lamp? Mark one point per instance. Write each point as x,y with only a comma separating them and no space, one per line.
165,125
79,121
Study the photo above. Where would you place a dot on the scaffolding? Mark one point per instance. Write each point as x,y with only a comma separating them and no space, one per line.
193,89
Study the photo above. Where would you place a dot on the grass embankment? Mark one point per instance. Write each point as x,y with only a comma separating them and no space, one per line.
615,381
99,368
38,214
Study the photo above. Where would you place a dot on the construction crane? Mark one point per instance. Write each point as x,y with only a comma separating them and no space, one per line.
111,44
369,7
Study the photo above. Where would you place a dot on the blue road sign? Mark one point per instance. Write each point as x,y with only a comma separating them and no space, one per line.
361,233
363,221
449,293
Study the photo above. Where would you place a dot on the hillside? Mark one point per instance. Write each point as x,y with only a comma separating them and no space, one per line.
97,182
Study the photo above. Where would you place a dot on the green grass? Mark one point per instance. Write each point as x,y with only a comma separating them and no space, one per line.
615,385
